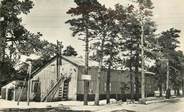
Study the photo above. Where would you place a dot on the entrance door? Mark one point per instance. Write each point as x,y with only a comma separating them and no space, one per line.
37,91
10,94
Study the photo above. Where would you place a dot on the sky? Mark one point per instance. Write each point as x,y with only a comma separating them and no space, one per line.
49,16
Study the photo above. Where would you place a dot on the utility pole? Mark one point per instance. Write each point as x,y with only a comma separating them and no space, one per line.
58,61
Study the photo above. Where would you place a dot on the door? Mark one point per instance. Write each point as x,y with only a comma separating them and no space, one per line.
37,91
10,94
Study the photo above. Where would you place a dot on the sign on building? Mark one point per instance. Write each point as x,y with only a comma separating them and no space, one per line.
86,77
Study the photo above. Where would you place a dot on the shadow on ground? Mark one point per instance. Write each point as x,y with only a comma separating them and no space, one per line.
173,101
40,110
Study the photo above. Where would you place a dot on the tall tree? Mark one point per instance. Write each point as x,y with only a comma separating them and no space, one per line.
15,39
131,31
99,16
81,25
147,31
105,44
168,41
11,29
111,51
69,51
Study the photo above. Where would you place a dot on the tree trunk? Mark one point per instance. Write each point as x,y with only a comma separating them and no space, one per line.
131,78
97,93
2,47
178,92
2,43
108,83
175,91
142,63
86,82
137,77
182,87
109,72
160,89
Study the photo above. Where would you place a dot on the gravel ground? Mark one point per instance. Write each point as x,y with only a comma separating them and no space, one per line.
174,105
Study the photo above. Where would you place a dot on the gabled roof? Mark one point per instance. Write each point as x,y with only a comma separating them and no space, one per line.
12,84
79,61
43,66
71,59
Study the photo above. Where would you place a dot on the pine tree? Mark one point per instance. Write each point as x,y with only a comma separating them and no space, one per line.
11,29
168,42
82,26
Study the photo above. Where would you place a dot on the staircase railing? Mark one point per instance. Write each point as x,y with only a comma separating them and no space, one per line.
54,89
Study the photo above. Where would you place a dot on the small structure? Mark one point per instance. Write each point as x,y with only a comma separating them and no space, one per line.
11,91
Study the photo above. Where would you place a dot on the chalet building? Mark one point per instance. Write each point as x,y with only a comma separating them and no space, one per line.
51,82
45,85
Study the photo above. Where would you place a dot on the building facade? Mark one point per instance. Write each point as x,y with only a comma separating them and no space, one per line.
72,67
53,82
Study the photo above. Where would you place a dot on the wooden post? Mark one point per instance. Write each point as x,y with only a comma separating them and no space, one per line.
20,94
6,93
14,93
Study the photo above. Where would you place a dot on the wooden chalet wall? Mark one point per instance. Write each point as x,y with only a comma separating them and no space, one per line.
117,78
47,78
